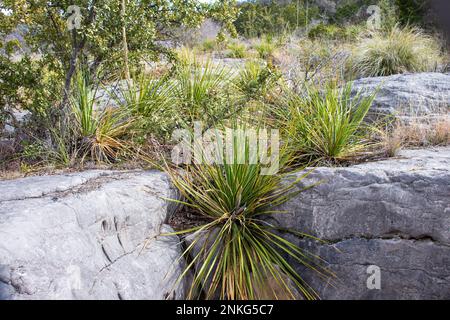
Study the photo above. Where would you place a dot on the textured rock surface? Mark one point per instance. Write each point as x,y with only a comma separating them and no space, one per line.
111,96
394,214
408,94
89,235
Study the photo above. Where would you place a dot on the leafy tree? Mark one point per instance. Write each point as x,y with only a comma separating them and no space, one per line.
108,31
259,17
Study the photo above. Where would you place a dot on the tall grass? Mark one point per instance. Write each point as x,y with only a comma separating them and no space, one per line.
237,50
202,91
99,131
237,248
152,101
265,48
326,126
397,51
255,79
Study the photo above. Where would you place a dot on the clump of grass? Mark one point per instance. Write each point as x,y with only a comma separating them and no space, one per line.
209,45
334,32
420,133
152,102
255,79
202,92
397,51
237,50
265,48
238,248
327,126
99,132
325,31
185,56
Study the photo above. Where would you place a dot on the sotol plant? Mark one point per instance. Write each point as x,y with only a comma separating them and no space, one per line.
255,79
152,102
238,250
237,50
326,126
265,48
99,132
202,92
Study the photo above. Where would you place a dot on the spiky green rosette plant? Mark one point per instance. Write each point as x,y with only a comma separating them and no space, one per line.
238,252
100,131
327,126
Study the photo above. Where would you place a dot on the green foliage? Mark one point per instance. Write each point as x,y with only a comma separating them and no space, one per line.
209,45
32,151
334,32
202,91
256,79
326,127
258,18
31,83
324,31
397,51
83,102
98,133
346,11
411,12
237,50
102,24
37,68
389,14
238,249
42,83
265,48
152,102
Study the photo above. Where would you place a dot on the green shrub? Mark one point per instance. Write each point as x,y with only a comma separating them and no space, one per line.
202,92
237,50
411,11
152,102
334,32
346,12
32,151
326,126
397,51
237,248
255,79
265,48
99,132
209,45
323,31
259,18
352,32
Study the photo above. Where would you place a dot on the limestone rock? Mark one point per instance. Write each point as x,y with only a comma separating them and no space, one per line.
418,94
394,214
89,235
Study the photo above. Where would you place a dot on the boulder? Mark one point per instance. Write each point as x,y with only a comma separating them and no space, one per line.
111,95
21,117
408,95
88,235
394,214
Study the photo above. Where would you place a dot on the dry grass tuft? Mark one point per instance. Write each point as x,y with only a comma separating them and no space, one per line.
398,51
416,133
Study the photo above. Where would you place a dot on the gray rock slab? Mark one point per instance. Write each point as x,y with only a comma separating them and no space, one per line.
417,94
393,213
89,235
